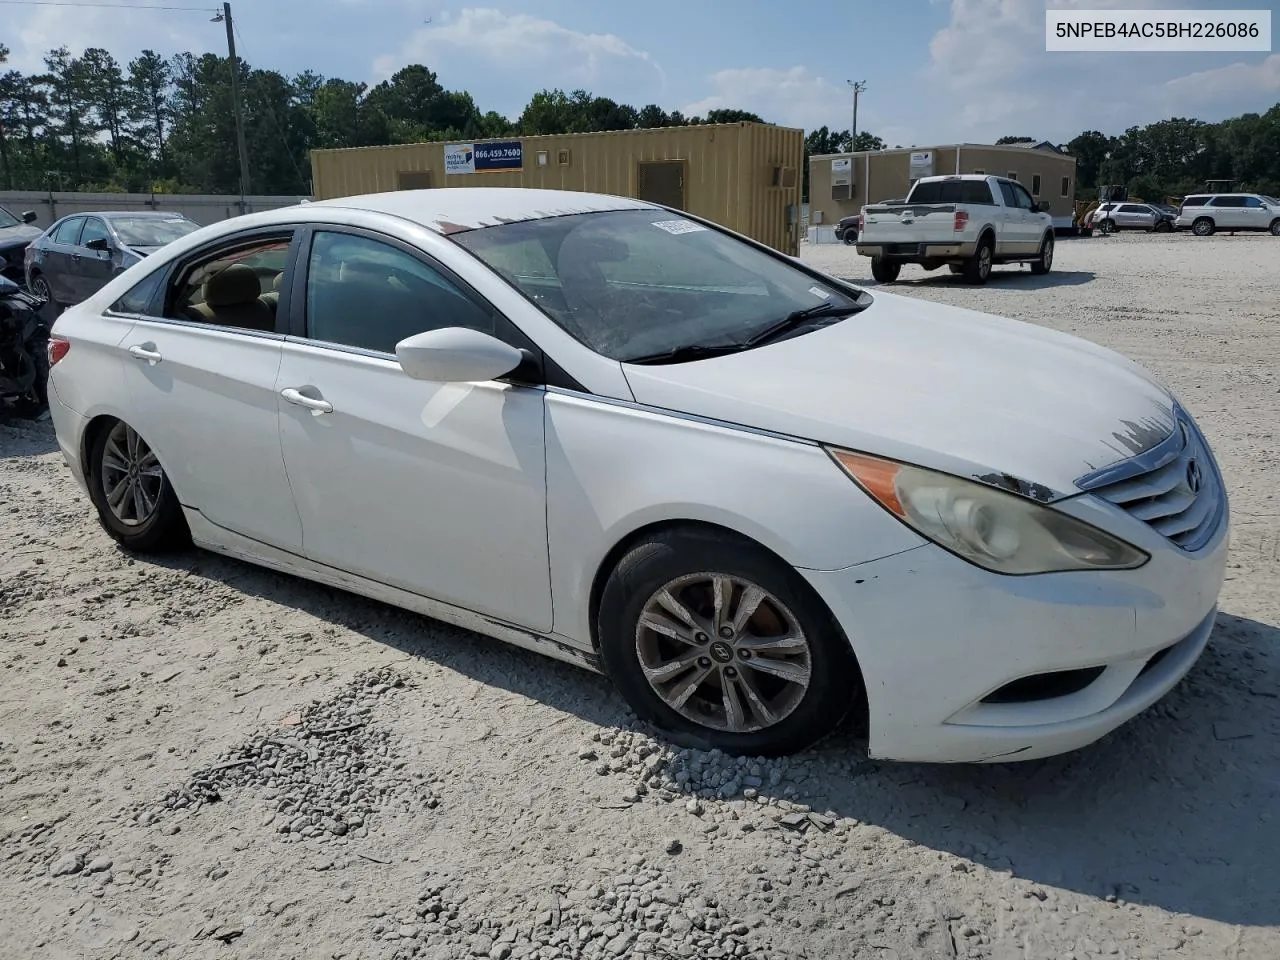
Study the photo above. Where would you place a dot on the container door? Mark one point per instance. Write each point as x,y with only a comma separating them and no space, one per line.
661,181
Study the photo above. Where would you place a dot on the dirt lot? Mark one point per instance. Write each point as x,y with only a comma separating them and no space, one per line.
201,759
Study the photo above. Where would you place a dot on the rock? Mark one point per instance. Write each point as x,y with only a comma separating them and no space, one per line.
481,946
98,865
674,846
66,865
694,806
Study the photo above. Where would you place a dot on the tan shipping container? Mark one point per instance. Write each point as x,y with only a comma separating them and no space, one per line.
744,176
886,175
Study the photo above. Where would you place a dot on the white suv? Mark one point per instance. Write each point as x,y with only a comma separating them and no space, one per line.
1206,212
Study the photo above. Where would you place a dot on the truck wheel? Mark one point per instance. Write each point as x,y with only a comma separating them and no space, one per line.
955,267
885,271
1041,266
851,237
978,268
1203,227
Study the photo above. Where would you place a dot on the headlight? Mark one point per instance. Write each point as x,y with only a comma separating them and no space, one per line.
998,531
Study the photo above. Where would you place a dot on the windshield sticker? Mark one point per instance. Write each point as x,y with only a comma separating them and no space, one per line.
677,227
174,220
819,292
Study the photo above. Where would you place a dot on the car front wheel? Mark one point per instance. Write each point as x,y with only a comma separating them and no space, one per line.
713,637
136,503
40,287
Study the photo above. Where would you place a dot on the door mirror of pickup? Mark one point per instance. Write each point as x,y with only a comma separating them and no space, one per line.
1042,206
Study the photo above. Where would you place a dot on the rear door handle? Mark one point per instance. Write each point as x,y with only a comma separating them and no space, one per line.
316,405
147,352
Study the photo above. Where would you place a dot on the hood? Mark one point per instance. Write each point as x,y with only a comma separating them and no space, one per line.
22,233
960,391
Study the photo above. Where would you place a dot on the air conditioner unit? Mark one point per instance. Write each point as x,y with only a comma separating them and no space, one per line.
842,191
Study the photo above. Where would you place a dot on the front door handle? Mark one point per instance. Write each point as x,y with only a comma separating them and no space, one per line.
147,352
316,405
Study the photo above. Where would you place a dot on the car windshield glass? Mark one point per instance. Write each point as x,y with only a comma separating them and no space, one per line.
152,231
7,219
639,283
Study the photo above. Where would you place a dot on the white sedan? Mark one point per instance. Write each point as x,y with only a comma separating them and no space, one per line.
760,499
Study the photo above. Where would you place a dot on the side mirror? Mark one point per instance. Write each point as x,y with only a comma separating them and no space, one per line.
1042,206
456,355
28,216
100,244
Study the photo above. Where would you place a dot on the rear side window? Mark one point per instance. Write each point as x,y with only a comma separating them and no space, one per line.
69,231
1227,202
953,191
1134,208
1195,201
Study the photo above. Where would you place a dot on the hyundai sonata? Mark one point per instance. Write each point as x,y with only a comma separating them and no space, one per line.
755,496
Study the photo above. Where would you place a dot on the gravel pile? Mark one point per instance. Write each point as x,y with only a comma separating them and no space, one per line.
325,771
640,914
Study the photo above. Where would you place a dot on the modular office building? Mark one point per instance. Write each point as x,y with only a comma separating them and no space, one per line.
840,184
744,176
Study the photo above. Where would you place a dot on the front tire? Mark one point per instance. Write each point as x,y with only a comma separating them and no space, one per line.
711,636
136,503
40,287
885,271
1045,263
1275,227
1203,227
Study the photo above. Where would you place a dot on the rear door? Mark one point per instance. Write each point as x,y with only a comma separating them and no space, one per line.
1227,212
59,259
201,370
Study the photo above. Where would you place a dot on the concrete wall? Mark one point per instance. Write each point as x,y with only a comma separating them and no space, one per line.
729,171
884,175
202,208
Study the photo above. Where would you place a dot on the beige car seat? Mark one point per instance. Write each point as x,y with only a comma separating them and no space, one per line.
231,299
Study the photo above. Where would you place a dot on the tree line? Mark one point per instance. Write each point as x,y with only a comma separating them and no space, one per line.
91,123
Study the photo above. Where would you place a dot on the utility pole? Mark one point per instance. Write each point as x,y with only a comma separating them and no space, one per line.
225,16
858,86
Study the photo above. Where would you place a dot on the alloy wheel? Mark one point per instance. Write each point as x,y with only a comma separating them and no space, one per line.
1048,253
131,476
40,287
723,652
984,262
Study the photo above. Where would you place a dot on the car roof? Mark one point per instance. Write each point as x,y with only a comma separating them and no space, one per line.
455,209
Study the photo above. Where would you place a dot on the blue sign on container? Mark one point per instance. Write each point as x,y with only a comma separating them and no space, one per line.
506,155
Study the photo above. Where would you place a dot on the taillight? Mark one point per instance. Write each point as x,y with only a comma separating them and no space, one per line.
57,348
962,220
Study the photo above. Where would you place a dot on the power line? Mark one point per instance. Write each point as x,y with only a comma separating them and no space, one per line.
102,6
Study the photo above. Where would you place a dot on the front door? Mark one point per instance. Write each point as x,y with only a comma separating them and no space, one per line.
202,381
434,488
1255,215
1228,212
93,268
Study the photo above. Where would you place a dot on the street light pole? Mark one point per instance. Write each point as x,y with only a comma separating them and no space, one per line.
225,16
858,86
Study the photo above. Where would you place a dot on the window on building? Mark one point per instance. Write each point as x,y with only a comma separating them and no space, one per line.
1035,185
1013,174
980,172
1066,186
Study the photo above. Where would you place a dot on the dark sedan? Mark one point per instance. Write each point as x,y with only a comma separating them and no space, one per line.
80,253
15,234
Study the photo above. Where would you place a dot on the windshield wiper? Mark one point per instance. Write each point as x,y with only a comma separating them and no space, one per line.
693,351
799,318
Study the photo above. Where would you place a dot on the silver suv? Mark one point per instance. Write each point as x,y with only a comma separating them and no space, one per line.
1206,212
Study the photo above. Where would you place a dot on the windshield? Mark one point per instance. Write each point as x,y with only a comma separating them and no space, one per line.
636,283
7,219
152,231
952,191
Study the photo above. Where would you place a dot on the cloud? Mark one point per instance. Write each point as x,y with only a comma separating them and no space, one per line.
793,96
1228,84
123,31
519,52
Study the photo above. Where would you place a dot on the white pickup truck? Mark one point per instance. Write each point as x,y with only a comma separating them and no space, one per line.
968,222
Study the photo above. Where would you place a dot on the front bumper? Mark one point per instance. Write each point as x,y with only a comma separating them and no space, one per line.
935,636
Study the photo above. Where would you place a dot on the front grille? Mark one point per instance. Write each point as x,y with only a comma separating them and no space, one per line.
1174,487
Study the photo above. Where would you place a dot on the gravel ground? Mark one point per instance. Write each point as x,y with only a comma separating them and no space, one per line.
199,758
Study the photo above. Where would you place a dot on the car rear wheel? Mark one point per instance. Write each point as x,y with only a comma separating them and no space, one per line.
1163,226
885,271
136,503
711,636
1203,227
955,267
1107,226
978,267
1045,263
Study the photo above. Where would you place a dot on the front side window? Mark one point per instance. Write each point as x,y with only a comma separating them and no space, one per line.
1227,202
68,231
1253,203
140,296
1022,198
237,286
1134,208
369,294
638,284
94,229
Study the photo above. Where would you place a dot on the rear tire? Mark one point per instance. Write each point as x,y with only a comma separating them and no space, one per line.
956,267
1045,263
1164,226
1107,227
702,685
1203,227
978,267
136,503
885,271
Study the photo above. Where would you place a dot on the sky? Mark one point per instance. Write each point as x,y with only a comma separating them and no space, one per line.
936,71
